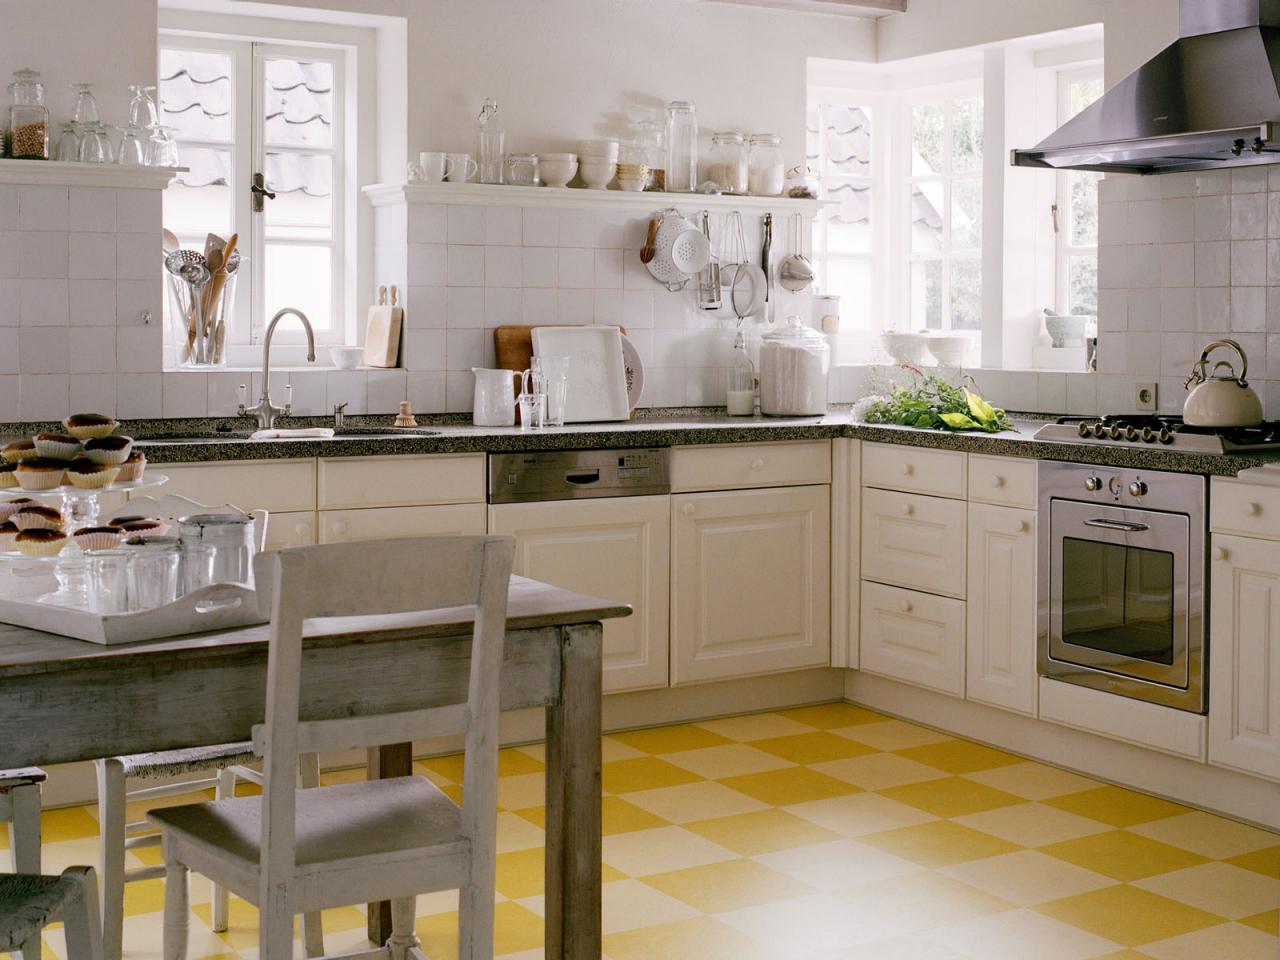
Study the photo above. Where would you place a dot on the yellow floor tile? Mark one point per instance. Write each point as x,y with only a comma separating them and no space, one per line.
1207,835
1019,934
535,815
875,771
1027,877
655,851
861,813
632,904
1123,855
731,760
817,747
939,843
1218,888
1266,861
803,928
619,816
521,873
1226,940
731,885
701,938
512,762
1268,922
1116,806
688,736
694,801
765,831
517,833
1034,781
1124,955
834,866
69,823
790,785
898,735
515,929
1033,824
830,716
514,793
951,797
960,756
920,901
643,773
754,726
911,947
1128,916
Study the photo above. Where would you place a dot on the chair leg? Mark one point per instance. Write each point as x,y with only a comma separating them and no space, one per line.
176,907
403,940
111,837
475,916
24,842
275,929
81,922
225,790
312,929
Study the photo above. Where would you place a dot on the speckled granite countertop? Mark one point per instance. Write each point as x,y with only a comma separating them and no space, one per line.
650,428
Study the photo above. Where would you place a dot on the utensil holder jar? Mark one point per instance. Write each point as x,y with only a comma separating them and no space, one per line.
202,346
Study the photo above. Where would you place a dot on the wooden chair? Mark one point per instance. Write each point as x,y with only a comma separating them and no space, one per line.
220,766
30,902
20,808
294,851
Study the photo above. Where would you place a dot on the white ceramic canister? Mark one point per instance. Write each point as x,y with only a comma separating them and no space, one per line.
494,403
795,365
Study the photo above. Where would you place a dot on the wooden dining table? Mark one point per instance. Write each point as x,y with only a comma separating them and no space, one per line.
65,700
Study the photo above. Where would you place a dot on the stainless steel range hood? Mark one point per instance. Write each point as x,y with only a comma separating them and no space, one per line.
1211,100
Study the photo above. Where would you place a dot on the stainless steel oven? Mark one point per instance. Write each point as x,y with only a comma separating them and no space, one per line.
1122,582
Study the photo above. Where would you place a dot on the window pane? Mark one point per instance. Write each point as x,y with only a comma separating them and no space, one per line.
849,224
195,95
926,294
926,217
1084,208
1081,93
301,276
966,214
850,280
1084,285
848,140
303,207
198,202
298,104
966,294
812,129
926,138
966,135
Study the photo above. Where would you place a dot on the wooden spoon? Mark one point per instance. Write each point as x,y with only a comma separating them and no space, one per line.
213,290
648,251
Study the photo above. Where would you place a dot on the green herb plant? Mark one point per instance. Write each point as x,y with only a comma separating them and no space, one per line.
931,403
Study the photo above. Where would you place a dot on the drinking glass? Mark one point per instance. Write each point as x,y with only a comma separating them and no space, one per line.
107,582
155,572
95,146
69,143
161,150
131,152
555,371
142,108
533,410
86,107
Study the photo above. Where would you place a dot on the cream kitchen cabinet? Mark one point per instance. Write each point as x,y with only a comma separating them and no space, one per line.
1001,608
389,523
750,582
610,547
914,541
1244,662
291,530
913,636
277,486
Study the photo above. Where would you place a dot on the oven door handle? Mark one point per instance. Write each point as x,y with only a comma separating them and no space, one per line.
1124,525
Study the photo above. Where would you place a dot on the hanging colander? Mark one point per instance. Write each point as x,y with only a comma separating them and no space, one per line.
681,250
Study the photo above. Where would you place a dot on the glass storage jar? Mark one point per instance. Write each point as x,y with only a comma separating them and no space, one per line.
729,161
795,363
682,147
28,135
522,170
768,171
649,148
154,571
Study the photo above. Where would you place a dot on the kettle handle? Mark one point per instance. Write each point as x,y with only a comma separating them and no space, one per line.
1198,374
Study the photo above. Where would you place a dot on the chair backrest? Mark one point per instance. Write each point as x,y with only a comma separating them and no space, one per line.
170,506
368,579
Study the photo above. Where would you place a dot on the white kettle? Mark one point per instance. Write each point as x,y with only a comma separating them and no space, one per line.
1221,400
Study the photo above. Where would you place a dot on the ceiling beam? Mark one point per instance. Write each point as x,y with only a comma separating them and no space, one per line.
853,8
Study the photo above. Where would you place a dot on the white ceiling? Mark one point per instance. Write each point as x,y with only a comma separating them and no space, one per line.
872,9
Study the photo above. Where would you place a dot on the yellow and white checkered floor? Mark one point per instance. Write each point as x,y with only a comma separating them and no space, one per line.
829,832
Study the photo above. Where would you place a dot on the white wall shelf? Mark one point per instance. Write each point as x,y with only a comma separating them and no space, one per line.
488,194
61,173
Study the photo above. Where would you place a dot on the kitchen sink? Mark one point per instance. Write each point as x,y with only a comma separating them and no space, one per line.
346,433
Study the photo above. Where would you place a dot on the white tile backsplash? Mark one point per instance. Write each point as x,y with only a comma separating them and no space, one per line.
503,226
92,350
465,265
576,268
42,208
92,303
8,206
43,396
1248,263
92,256
44,254
503,266
43,303
92,391
92,209
466,225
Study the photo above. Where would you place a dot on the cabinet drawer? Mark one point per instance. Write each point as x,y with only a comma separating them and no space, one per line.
401,481
915,469
291,530
914,541
387,523
735,466
1003,481
273,485
1246,509
915,637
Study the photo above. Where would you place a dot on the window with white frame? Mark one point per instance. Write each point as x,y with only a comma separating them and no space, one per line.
1075,212
239,109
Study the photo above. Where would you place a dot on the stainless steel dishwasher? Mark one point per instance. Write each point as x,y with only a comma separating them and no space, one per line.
596,522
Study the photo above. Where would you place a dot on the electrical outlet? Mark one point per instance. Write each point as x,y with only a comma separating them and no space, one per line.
1145,397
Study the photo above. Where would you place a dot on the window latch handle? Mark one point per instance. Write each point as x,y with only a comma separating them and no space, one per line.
1053,210
259,191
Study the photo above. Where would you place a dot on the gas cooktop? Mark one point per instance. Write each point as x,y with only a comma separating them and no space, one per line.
1169,432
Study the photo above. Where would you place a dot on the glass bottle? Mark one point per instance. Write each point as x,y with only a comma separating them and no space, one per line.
650,150
768,171
742,381
28,135
729,162
682,147
489,143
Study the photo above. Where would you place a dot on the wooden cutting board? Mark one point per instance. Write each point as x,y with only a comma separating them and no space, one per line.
513,345
382,333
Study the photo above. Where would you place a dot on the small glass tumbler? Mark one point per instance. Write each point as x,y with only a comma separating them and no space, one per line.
107,581
155,572
533,411
198,560
555,372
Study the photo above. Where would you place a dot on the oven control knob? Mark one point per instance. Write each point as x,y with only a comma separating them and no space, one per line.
1131,433
1148,435
1166,435
1093,484
1084,429
1116,431
1099,431
1137,489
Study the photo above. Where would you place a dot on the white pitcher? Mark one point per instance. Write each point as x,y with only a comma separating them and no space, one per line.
494,402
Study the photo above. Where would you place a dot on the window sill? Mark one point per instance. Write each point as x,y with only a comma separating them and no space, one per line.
282,368
61,173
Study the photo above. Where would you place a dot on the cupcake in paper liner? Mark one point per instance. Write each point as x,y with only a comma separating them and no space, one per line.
8,475
142,526
40,543
98,538
8,533
113,450
56,446
89,426
23,449
9,507
88,475
38,473
37,516
131,470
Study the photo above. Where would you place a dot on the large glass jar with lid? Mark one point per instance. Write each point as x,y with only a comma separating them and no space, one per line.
768,170
729,161
682,147
28,133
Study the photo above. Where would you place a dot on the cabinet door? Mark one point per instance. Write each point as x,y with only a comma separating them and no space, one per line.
750,582
1244,656
618,549
387,523
278,486
291,530
913,636
1001,611
914,541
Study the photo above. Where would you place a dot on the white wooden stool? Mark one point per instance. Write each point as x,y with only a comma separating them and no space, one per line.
30,902
20,808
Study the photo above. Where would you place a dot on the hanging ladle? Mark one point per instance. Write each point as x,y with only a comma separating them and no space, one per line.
796,272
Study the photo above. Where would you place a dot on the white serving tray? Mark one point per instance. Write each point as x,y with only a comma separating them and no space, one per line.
597,374
218,607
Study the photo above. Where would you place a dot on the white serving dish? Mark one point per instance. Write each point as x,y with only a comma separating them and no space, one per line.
597,174
346,358
949,350
906,347
557,169
597,373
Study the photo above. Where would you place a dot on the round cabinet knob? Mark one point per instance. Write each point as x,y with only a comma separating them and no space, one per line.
997,481
1137,489
1219,553
1253,509
301,529
1023,526
1093,484
687,509
905,606
339,528
908,509
908,469
757,465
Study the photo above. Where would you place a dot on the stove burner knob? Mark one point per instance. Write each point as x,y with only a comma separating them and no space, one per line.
1148,435
1116,432
1166,435
1131,433
1084,429
1093,484
1137,489
1099,431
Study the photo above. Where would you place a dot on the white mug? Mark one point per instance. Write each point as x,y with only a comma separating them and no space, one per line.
433,166
461,168
494,402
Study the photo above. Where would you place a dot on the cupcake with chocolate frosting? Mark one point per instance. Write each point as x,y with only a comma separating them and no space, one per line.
37,516
8,533
56,446
113,450
22,449
98,538
131,470
39,473
9,507
40,542
8,475
86,474
87,426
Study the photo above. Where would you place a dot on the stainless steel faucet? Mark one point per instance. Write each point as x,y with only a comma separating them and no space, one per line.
265,410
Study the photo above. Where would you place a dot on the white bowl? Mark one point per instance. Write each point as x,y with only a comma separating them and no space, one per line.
905,347
949,350
346,358
597,174
598,149
557,169
632,185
